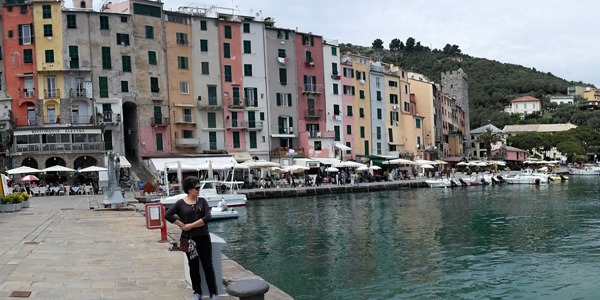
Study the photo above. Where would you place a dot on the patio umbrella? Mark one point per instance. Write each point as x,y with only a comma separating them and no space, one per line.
58,168
423,162
362,168
426,166
23,170
399,161
374,168
93,169
482,164
462,163
440,162
29,178
332,169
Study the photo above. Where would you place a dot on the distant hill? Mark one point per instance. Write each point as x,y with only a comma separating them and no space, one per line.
492,84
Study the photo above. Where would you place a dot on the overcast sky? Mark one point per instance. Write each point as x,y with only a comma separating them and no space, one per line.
561,37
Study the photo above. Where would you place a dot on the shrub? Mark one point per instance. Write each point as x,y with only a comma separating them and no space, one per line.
25,196
4,200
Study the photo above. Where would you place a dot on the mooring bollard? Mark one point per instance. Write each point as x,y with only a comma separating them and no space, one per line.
249,289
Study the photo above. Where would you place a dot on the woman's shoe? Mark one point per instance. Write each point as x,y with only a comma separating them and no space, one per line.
214,297
197,296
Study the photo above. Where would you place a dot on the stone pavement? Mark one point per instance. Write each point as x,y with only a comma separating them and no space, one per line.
60,249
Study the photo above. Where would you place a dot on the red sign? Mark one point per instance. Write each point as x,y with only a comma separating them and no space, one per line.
155,215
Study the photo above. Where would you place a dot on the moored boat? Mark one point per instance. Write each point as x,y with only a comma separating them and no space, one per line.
208,191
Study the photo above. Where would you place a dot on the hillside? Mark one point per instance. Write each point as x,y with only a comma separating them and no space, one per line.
492,84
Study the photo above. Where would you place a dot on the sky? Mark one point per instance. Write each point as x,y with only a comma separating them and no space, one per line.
561,37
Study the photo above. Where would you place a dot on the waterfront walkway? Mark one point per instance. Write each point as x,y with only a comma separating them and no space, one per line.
60,249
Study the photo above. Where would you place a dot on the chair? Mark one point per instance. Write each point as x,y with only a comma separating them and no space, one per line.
43,191
35,191
88,190
82,190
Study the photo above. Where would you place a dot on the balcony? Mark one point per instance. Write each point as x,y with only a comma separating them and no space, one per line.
253,125
234,104
211,105
309,88
110,118
187,143
312,113
77,93
285,152
58,147
251,104
82,119
159,121
51,119
27,93
235,124
185,120
52,94
20,122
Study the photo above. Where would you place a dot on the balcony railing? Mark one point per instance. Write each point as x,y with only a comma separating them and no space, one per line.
212,104
159,121
187,142
285,152
235,124
185,119
51,120
60,147
82,119
50,94
27,93
78,93
24,122
258,125
313,113
312,88
251,103
235,104
110,117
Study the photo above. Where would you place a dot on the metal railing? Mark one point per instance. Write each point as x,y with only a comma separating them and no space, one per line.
313,113
58,147
110,117
82,119
159,121
52,120
285,152
78,93
236,103
186,119
312,88
187,142
252,124
27,93
48,94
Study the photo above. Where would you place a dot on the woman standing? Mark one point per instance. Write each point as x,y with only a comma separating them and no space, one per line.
194,215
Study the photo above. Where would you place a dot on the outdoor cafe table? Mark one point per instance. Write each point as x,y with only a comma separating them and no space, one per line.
55,190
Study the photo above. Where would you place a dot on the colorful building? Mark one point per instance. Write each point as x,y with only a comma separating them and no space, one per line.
347,91
334,116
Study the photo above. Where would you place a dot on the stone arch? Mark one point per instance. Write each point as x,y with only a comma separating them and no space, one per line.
55,161
84,162
30,162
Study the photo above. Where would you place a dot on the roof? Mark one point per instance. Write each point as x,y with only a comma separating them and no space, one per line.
485,128
538,128
453,159
525,99
509,148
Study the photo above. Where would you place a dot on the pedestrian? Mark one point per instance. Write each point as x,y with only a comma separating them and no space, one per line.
448,173
194,215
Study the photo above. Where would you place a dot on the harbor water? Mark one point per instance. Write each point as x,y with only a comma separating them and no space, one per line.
491,242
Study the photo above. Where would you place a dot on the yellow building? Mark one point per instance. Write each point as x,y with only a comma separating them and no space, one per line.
182,108
591,94
424,90
48,30
362,104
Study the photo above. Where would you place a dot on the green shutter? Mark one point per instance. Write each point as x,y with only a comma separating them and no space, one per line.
71,21
74,56
28,56
226,50
337,133
20,34
203,45
152,58
349,110
159,142
334,51
290,121
126,63
227,31
289,98
280,119
262,116
246,28
204,68
212,95
46,11
335,89
106,61
147,10
248,70
253,143
281,53
362,94
228,76
349,129
212,120
203,25
149,32
247,47
278,99
49,56
391,137
236,95
236,139
103,85
104,22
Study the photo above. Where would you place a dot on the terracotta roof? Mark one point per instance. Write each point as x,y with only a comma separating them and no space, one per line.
525,99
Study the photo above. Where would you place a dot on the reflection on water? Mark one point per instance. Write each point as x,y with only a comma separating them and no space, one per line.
466,243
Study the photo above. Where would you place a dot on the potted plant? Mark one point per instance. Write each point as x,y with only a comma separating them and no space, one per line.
25,202
7,205
17,199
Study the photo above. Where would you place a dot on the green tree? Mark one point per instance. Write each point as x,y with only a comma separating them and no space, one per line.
447,48
410,44
570,149
395,45
377,44
579,118
488,139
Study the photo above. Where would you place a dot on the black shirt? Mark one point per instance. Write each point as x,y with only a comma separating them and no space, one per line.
189,214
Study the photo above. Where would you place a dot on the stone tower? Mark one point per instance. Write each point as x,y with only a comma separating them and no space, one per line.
82,4
456,84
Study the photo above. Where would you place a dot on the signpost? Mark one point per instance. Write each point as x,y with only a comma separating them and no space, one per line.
155,219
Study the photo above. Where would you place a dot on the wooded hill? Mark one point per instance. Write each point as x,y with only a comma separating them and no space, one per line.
492,84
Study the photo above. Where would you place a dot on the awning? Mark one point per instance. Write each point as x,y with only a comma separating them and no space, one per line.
194,163
327,161
396,143
282,135
241,156
342,146
124,162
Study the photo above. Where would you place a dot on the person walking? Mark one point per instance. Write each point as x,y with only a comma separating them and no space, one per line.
194,215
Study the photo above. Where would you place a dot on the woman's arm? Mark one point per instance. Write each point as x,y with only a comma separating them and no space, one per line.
202,221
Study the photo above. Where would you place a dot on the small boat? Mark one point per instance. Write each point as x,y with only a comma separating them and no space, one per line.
221,211
528,178
591,170
440,183
208,191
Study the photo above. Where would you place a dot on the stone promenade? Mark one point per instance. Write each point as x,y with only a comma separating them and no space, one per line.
60,249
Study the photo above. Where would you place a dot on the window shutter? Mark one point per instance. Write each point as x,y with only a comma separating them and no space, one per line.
289,100
291,122
20,34
280,124
278,99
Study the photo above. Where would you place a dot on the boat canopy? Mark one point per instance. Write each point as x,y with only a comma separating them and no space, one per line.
158,165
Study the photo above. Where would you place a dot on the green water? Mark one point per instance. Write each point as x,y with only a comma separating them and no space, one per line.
494,242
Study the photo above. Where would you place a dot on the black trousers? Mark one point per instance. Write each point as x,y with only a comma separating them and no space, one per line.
204,247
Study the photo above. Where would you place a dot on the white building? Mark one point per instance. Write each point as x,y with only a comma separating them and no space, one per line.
524,105
562,100
333,91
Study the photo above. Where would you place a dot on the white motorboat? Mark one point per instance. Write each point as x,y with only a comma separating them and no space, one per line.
221,211
584,171
439,183
527,178
208,191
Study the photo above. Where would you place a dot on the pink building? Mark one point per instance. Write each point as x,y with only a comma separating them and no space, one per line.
232,76
348,111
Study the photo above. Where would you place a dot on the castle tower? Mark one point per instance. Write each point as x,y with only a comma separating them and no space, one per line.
456,84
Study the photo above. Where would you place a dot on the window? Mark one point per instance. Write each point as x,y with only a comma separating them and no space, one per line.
308,56
24,34
378,81
203,25
253,141
362,94
159,142
246,28
362,132
379,114
49,56
51,114
103,86
203,45
335,89
378,133
392,83
149,32
187,134
318,145
334,68
106,61
406,106
282,34
348,90
393,99
126,63
227,31
187,115
281,53
74,57
51,87
361,112
281,99
104,22
182,62
124,86
349,146
418,123
47,29
336,110
349,110
152,58
262,116
123,39
204,68
46,11
123,19
154,86
23,9
405,88
247,47
247,70
379,98
308,40
348,129
236,139
184,87
236,96
282,76
226,50
391,137
228,76
212,120
182,38
348,72
71,21
251,97
212,95
418,142
334,51
336,129
28,56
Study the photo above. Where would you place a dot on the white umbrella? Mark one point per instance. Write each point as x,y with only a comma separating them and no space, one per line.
23,170
426,166
399,161
93,169
462,163
472,163
440,162
295,169
374,168
482,164
348,164
362,168
332,169
423,161
58,168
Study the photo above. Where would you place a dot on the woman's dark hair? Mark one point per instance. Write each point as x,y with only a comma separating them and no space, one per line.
189,183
